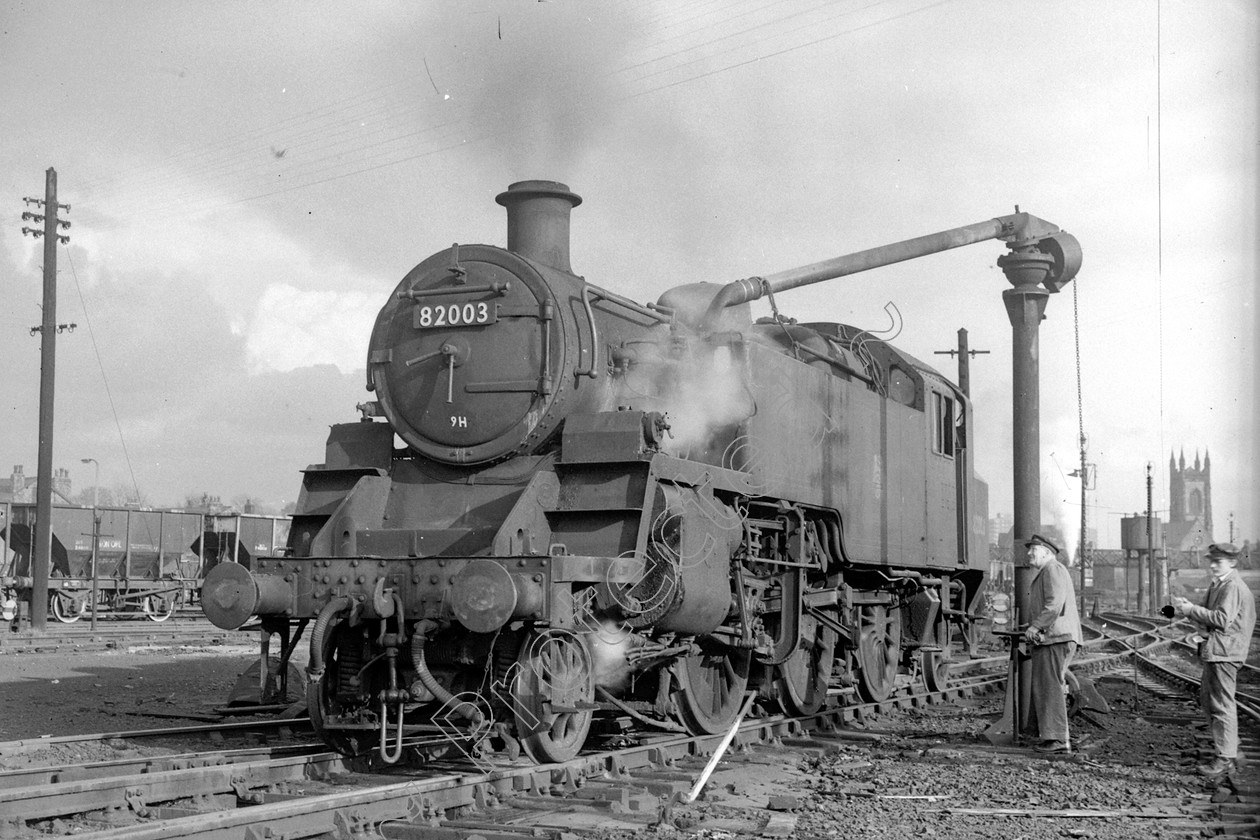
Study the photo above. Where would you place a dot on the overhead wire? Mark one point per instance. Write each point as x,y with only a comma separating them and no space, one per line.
379,154
247,140
109,394
458,120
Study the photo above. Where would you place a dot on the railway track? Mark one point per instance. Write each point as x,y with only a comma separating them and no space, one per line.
200,794
220,731
300,790
114,635
1168,663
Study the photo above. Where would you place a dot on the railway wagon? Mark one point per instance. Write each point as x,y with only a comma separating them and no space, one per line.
609,518
239,538
148,563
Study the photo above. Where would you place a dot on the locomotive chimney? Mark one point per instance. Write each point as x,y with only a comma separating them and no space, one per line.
538,220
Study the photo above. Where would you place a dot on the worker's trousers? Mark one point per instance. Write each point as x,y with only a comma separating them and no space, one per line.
1049,690
1216,696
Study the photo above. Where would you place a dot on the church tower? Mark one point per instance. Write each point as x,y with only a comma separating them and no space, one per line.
1189,503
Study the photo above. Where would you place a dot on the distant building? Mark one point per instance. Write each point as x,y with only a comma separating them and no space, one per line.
1189,504
1051,532
999,525
21,488
207,504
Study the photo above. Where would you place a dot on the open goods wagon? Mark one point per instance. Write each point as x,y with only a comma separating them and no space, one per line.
148,563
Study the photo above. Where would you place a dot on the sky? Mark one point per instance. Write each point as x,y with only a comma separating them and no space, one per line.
249,181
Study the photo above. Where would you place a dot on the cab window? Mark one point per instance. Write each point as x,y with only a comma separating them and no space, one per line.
943,424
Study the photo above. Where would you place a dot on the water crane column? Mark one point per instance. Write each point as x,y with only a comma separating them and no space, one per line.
1029,272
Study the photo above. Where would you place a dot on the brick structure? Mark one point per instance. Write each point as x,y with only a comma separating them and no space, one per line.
21,488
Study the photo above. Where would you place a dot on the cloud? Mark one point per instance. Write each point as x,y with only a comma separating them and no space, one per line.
291,329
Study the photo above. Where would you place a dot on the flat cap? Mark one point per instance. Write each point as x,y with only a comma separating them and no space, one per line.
1223,550
1037,539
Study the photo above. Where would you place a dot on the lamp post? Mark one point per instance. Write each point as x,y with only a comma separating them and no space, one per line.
96,532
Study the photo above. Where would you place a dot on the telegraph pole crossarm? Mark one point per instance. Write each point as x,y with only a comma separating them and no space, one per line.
964,361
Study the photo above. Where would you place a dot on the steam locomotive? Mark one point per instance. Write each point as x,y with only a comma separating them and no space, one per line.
609,517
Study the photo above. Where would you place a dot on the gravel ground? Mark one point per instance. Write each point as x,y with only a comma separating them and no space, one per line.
912,784
939,777
79,693
945,765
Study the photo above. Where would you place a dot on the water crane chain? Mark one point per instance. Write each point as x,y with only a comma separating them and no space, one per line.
1080,424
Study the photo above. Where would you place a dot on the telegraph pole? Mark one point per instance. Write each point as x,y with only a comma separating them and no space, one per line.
41,561
963,455
964,361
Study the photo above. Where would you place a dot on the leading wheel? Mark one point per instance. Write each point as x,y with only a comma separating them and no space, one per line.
554,698
325,703
878,651
803,678
66,608
711,687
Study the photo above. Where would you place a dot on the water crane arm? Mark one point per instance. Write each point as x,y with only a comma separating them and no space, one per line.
1022,231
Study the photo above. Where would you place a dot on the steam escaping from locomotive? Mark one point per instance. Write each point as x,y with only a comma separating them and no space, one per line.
708,396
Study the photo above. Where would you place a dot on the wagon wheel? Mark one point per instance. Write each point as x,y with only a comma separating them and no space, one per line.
159,606
322,701
878,651
802,679
936,662
711,688
66,608
554,696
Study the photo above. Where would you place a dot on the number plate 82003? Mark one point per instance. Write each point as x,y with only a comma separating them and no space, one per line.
430,315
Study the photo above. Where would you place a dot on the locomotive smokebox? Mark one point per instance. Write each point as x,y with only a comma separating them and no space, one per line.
538,221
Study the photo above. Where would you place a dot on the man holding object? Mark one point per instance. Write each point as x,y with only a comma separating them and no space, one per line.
1055,633
1228,615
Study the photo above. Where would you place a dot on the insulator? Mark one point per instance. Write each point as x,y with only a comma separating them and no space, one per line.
63,223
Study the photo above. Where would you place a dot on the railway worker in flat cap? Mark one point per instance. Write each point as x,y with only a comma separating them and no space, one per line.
1054,631
1228,615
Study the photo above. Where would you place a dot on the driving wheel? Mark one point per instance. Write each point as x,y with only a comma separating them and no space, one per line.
802,679
878,651
711,687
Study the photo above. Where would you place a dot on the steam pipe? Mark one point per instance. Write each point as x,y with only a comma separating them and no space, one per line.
315,667
462,708
1015,228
